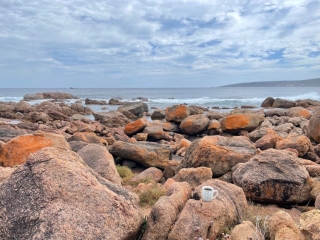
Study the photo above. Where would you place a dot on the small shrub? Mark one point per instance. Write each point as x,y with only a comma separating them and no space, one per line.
125,173
151,195
145,180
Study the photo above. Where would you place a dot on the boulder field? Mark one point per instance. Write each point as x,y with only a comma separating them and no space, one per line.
60,177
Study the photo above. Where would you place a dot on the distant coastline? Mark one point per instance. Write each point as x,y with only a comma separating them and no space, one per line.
301,83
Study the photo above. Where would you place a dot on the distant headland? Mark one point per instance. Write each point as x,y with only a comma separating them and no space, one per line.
302,83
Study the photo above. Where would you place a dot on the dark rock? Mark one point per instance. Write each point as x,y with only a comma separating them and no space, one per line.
158,114
282,103
268,102
136,108
94,102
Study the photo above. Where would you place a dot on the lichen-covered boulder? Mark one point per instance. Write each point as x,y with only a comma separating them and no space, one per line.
54,195
236,122
177,113
135,126
218,153
299,112
17,151
274,176
194,124
299,142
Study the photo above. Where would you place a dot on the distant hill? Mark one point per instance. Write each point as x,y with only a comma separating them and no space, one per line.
302,83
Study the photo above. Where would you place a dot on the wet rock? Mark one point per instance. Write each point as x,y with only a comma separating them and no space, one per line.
247,122
94,102
282,226
282,103
101,161
219,153
194,124
210,218
165,211
146,153
177,113
54,193
16,151
48,95
193,176
136,108
7,132
268,102
158,114
273,176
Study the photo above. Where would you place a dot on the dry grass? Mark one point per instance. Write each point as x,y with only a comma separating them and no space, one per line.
145,180
125,173
151,195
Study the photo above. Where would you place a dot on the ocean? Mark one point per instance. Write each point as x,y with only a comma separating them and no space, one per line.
163,97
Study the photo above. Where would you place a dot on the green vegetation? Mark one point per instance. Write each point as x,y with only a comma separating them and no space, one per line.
125,173
145,180
151,195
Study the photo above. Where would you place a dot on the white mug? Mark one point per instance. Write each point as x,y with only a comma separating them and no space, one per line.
209,193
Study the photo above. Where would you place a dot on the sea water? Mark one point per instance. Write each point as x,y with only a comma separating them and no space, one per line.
162,97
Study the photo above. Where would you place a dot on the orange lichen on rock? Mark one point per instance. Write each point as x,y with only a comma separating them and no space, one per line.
177,113
16,151
242,122
136,126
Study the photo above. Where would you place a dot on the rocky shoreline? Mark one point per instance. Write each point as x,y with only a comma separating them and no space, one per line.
59,177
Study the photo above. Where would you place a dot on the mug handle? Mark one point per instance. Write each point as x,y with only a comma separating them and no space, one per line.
215,194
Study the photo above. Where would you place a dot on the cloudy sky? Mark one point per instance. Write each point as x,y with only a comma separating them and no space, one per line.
157,43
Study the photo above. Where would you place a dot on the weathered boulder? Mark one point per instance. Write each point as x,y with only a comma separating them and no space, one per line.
177,113
268,102
5,172
212,115
114,101
259,133
245,230
77,145
39,117
165,211
299,142
268,177
17,151
219,153
156,132
101,161
236,122
81,109
56,115
193,176
136,108
48,95
282,226
87,137
310,226
317,202
7,132
23,107
135,126
171,127
313,129
158,114
210,218
282,103
112,119
54,195
299,112
276,112
146,153
151,173
194,124
214,125
88,101
268,141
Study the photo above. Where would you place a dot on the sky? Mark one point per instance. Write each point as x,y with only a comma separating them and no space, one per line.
157,43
